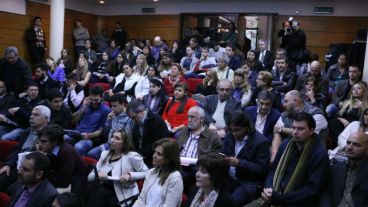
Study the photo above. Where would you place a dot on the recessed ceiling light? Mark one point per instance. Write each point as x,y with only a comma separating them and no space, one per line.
102,2
155,0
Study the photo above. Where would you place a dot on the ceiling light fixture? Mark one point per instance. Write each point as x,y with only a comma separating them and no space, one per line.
102,2
155,0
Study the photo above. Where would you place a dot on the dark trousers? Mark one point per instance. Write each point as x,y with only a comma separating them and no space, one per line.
6,181
37,54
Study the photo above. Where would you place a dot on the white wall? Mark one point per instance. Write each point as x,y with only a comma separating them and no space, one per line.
13,6
341,8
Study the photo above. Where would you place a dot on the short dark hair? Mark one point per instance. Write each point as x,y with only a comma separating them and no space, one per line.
32,83
40,162
43,66
135,106
96,90
308,118
241,119
54,93
265,95
118,97
54,133
36,18
216,167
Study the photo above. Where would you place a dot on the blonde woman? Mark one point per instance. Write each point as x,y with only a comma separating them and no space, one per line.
242,90
83,75
141,66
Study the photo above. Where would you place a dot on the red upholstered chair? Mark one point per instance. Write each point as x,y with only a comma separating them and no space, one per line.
89,160
5,148
4,199
193,83
184,199
104,86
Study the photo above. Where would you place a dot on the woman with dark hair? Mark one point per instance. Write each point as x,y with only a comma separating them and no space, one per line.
176,110
338,71
209,84
143,86
67,200
175,51
65,61
211,176
146,51
118,170
174,77
101,72
156,99
128,56
163,185
116,67
310,94
165,64
255,65
113,50
125,83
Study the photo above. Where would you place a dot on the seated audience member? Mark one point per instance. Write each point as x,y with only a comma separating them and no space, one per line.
66,167
310,94
241,89
156,100
44,81
91,118
255,64
208,86
55,72
113,50
188,62
204,64
60,113
348,180
146,51
6,102
82,73
122,163
141,66
165,65
20,113
67,200
125,83
128,56
351,109
298,174
211,177
177,107
15,72
293,103
264,82
219,107
74,93
263,115
116,67
342,90
143,86
174,77
33,189
194,44
65,61
234,58
222,69
248,155
40,116
88,53
147,128
338,71
250,74
217,51
265,56
100,74
283,78
315,71
116,119
176,51
163,185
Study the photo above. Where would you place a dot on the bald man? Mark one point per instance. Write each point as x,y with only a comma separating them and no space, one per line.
293,104
315,71
348,180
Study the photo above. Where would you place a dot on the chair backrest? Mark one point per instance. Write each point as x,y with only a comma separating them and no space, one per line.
193,83
4,199
90,162
6,147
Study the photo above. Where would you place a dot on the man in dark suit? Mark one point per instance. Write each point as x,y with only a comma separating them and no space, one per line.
283,78
33,189
348,181
219,107
147,128
264,116
44,81
6,101
36,41
264,55
248,155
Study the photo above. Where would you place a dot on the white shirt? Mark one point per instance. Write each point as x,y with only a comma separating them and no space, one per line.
218,116
260,122
220,53
154,195
238,146
221,74
142,87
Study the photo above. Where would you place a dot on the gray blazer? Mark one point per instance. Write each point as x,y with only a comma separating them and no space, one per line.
211,104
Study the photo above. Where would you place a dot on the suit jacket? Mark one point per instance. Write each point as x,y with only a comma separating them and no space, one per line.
6,102
271,120
267,62
336,185
254,159
211,104
289,78
46,86
43,196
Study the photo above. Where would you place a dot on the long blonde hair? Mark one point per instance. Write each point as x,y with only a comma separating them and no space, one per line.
245,85
141,69
351,101
81,72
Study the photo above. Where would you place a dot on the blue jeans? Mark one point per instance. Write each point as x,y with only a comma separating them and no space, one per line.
331,109
9,133
95,153
80,146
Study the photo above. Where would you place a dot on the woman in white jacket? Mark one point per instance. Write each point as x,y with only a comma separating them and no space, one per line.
163,186
119,169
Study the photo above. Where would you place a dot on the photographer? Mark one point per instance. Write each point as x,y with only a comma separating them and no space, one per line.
294,41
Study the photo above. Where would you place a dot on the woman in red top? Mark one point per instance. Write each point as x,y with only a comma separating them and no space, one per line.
176,110
174,77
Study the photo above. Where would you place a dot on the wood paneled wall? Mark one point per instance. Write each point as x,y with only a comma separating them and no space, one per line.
321,31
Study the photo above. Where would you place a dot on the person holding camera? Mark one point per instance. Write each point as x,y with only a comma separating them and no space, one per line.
294,41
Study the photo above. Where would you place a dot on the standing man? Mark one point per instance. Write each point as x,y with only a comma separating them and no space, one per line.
264,55
119,35
80,35
36,40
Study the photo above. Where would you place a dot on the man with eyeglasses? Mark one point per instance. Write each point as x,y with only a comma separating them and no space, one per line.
247,152
219,107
